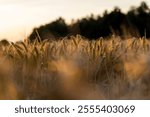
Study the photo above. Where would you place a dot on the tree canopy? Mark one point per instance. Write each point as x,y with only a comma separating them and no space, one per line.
136,22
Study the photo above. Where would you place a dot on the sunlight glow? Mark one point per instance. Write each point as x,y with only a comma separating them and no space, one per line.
18,17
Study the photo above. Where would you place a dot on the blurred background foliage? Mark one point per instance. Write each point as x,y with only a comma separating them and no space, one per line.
136,22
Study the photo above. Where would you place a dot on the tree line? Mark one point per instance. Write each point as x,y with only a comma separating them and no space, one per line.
136,22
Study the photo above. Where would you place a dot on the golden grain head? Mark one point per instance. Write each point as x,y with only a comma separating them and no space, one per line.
73,63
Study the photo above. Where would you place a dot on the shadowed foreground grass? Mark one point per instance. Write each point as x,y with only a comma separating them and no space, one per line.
76,68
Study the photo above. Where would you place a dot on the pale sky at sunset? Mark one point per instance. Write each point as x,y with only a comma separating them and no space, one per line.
18,17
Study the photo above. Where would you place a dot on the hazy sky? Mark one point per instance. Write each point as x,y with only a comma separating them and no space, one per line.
18,17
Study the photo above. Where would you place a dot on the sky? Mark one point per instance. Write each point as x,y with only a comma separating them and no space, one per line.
19,17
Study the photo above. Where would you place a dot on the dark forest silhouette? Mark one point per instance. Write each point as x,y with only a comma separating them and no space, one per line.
136,22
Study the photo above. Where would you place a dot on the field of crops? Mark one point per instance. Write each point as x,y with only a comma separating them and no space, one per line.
76,68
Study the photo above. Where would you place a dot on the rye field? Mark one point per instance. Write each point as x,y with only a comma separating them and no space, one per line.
76,68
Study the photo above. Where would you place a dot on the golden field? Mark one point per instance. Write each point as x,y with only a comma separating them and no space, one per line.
76,68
